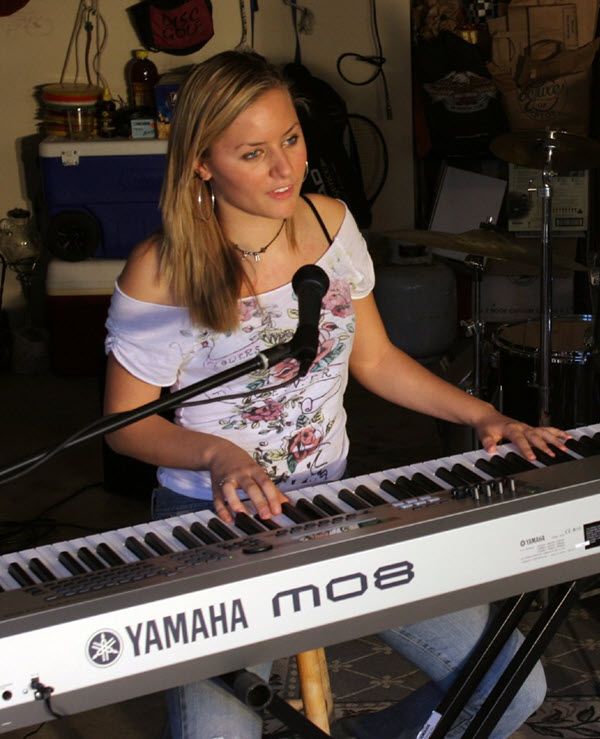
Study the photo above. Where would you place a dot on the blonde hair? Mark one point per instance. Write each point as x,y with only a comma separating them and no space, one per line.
203,270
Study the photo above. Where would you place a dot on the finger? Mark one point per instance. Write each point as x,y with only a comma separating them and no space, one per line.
519,438
260,501
221,509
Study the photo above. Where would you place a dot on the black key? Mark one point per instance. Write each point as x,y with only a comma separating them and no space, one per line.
520,463
19,574
186,538
581,448
409,487
590,442
447,476
353,500
309,509
560,455
40,570
493,467
326,505
200,530
136,547
545,458
268,523
90,560
155,542
426,483
369,496
596,438
247,524
224,532
68,560
399,492
1,589
468,476
109,555
294,514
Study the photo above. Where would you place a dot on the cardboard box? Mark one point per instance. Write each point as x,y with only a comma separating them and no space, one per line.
554,23
511,291
569,201
587,14
516,297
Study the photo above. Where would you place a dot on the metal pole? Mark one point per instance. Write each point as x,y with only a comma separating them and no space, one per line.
546,296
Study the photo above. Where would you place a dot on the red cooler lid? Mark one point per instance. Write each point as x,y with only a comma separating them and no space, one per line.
71,94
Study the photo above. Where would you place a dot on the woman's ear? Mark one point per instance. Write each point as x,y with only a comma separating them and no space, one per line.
203,171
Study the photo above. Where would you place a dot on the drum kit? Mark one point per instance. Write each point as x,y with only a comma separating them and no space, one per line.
556,355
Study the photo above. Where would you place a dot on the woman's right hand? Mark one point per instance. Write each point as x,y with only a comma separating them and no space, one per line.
232,471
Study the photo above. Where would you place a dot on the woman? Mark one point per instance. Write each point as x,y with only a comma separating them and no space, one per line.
211,291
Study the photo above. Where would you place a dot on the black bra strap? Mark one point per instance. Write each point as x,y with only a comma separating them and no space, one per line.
318,217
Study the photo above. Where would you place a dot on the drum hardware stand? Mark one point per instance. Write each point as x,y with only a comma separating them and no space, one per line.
474,328
545,193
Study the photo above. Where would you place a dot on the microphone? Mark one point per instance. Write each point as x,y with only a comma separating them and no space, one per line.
310,283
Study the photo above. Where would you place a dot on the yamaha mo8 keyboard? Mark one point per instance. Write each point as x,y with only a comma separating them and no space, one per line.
107,617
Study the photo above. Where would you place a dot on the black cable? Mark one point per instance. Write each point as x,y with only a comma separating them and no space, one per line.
377,60
234,396
386,160
35,731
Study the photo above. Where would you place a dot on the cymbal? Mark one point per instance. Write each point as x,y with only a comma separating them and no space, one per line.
531,148
486,243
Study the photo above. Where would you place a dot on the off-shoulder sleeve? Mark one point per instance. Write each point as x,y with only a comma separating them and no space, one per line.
149,340
349,258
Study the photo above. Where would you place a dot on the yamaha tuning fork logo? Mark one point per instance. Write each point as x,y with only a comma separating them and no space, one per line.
104,648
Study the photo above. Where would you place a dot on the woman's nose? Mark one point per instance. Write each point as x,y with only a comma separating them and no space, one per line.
280,165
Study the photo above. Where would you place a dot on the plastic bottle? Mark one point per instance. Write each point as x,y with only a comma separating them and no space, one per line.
143,75
107,127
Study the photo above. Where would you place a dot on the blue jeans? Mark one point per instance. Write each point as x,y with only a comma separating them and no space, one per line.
438,646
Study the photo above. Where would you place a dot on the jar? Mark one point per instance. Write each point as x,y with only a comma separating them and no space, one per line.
70,110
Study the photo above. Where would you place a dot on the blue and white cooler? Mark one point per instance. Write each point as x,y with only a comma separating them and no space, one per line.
101,196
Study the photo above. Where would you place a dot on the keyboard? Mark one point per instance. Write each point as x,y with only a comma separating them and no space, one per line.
107,617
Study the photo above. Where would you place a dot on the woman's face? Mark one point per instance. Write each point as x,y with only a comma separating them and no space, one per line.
257,165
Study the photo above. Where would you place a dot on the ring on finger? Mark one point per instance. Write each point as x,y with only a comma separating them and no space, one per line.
225,480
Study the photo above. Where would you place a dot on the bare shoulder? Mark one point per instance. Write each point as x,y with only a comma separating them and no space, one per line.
141,278
331,211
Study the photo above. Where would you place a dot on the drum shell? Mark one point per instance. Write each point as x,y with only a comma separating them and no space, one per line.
574,387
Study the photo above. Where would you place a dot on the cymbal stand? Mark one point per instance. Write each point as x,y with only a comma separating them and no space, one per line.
474,328
545,193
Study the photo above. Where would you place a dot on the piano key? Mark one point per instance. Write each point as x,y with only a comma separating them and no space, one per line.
396,491
186,537
221,529
109,555
154,541
248,525
426,483
268,523
352,500
291,511
200,530
369,496
494,466
561,455
308,507
575,445
450,477
518,462
90,559
40,570
468,474
545,459
18,573
411,489
137,548
327,505
70,563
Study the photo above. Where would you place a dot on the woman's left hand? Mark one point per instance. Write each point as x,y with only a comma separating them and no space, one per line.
495,427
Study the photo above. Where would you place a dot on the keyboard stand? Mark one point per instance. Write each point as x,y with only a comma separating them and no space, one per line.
517,671
258,695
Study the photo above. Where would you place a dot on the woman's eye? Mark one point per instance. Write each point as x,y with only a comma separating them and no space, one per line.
292,140
251,154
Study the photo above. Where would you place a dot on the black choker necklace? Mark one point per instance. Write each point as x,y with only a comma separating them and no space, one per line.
257,254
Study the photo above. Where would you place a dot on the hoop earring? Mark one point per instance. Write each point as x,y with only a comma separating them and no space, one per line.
203,217
305,171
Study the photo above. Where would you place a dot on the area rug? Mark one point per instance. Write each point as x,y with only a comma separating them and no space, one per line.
568,717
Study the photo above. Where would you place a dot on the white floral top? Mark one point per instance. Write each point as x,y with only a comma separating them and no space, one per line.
296,432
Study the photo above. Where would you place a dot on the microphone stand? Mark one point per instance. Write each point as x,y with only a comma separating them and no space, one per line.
301,346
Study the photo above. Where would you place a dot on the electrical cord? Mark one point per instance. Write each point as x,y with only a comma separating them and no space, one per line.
377,60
